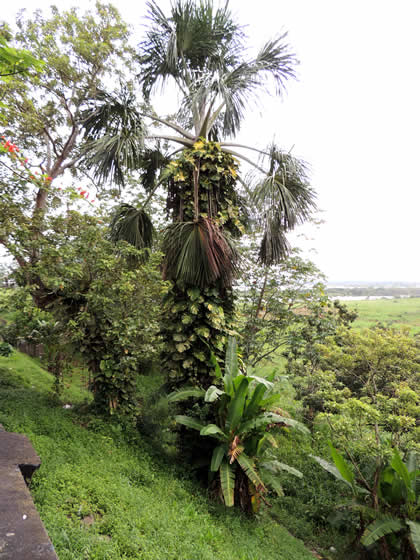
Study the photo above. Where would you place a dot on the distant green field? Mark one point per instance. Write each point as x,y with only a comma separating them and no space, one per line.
395,312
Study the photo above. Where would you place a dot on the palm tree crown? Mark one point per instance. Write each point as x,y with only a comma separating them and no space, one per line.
202,51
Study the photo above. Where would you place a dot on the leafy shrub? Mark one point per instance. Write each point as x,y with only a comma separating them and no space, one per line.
244,416
394,507
5,349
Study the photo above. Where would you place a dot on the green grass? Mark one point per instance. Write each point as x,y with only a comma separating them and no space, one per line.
28,373
391,312
103,493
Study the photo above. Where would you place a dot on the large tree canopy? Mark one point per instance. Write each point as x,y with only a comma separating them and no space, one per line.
201,51
42,116
15,61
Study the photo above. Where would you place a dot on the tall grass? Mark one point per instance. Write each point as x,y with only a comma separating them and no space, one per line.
390,312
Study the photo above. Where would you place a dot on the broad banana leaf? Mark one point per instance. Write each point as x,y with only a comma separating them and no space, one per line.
186,393
276,466
217,457
272,482
262,380
379,528
255,403
412,462
238,380
228,385
227,483
269,401
253,424
341,465
415,534
248,467
265,441
330,468
401,469
231,361
278,419
236,406
189,422
213,430
212,393
391,487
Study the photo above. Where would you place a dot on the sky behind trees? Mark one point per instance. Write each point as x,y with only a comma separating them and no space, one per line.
353,115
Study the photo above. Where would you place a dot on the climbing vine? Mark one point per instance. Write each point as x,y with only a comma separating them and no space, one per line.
215,173
199,318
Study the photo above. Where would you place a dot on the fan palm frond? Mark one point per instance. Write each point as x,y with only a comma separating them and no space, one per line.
112,112
152,163
198,253
114,134
282,199
185,45
132,225
244,82
274,244
284,190
111,155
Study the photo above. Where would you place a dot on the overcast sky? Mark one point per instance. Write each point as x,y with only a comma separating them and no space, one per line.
353,115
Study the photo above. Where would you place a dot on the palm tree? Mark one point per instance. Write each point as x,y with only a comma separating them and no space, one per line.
200,50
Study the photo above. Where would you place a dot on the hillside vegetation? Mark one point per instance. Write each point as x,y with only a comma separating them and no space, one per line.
103,494
204,396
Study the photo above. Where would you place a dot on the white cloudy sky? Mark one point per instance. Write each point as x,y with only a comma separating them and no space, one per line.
353,116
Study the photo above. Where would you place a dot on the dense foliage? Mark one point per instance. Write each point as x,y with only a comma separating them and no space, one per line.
277,303
104,493
388,505
243,415
42,116
102,307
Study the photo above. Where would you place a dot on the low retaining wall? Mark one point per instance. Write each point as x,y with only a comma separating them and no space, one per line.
22,533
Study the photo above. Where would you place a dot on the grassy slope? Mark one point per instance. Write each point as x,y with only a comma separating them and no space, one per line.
103,495
394,312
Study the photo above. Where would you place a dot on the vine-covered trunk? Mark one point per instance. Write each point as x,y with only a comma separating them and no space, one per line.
200,260
197,325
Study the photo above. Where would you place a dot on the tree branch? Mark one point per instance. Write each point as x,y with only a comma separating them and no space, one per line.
171,125
50,138
236,154
19,259
235,145
184,141
13,171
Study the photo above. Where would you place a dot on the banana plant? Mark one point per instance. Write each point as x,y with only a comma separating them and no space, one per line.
398,500
244,415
